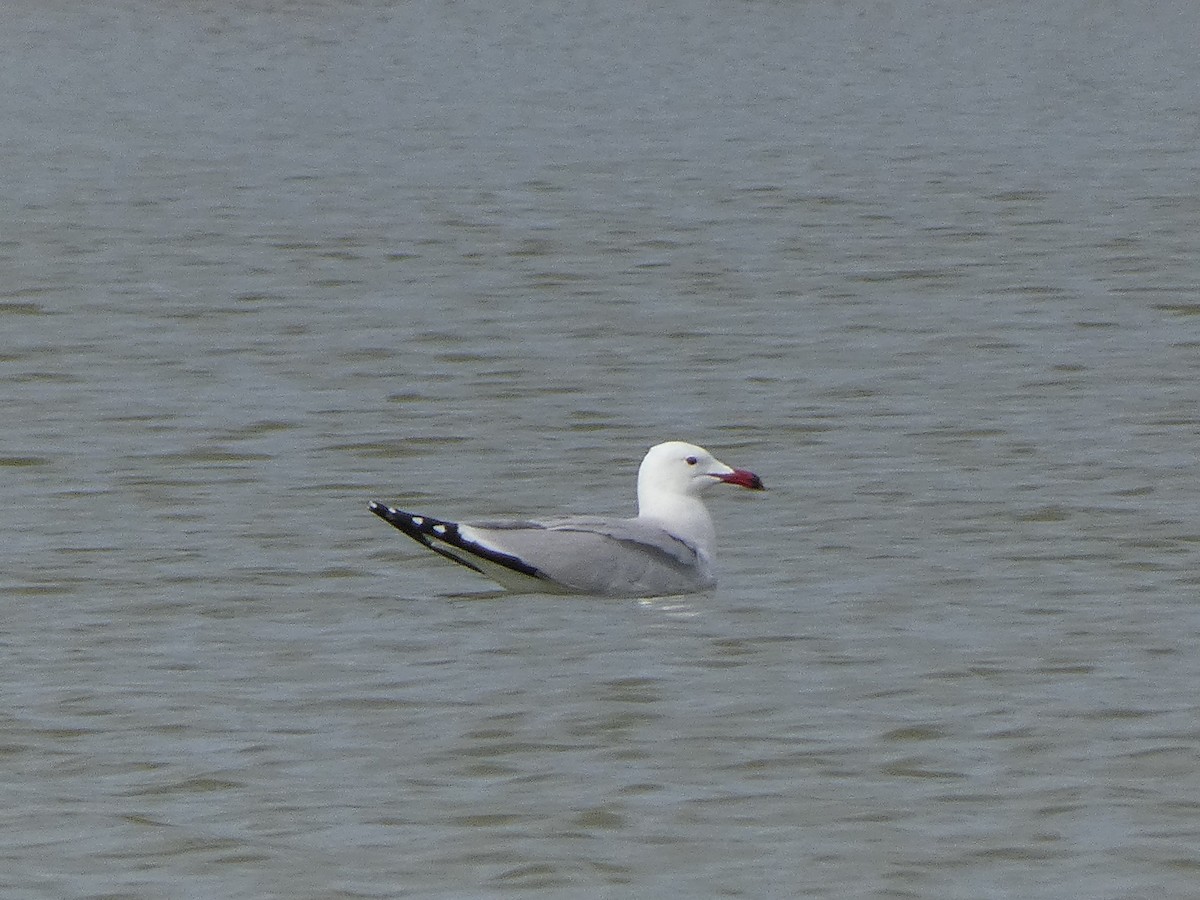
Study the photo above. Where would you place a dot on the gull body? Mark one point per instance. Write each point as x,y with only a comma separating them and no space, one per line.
668,548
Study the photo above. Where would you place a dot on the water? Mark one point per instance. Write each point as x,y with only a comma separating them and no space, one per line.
929,269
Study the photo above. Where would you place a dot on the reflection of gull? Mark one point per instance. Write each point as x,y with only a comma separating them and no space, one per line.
667,549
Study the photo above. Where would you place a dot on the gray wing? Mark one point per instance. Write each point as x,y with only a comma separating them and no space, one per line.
588,555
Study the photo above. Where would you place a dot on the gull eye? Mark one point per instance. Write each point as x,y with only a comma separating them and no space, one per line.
691,460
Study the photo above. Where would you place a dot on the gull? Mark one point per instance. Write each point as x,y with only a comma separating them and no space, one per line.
669,548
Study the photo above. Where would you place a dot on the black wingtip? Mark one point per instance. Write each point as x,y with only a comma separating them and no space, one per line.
398,518
427,530
384,512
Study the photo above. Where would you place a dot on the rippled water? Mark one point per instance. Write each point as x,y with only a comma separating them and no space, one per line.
931,270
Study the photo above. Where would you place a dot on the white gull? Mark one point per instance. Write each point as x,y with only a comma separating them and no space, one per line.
668,549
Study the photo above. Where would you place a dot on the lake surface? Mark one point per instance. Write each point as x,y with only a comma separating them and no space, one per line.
929,268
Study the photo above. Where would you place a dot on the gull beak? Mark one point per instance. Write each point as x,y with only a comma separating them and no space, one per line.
742,478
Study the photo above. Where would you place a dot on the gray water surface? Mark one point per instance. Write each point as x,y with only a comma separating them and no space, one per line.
928,268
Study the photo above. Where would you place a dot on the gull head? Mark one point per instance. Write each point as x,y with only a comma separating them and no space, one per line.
682,469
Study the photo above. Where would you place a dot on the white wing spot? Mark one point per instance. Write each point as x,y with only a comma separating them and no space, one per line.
418,520
440,529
